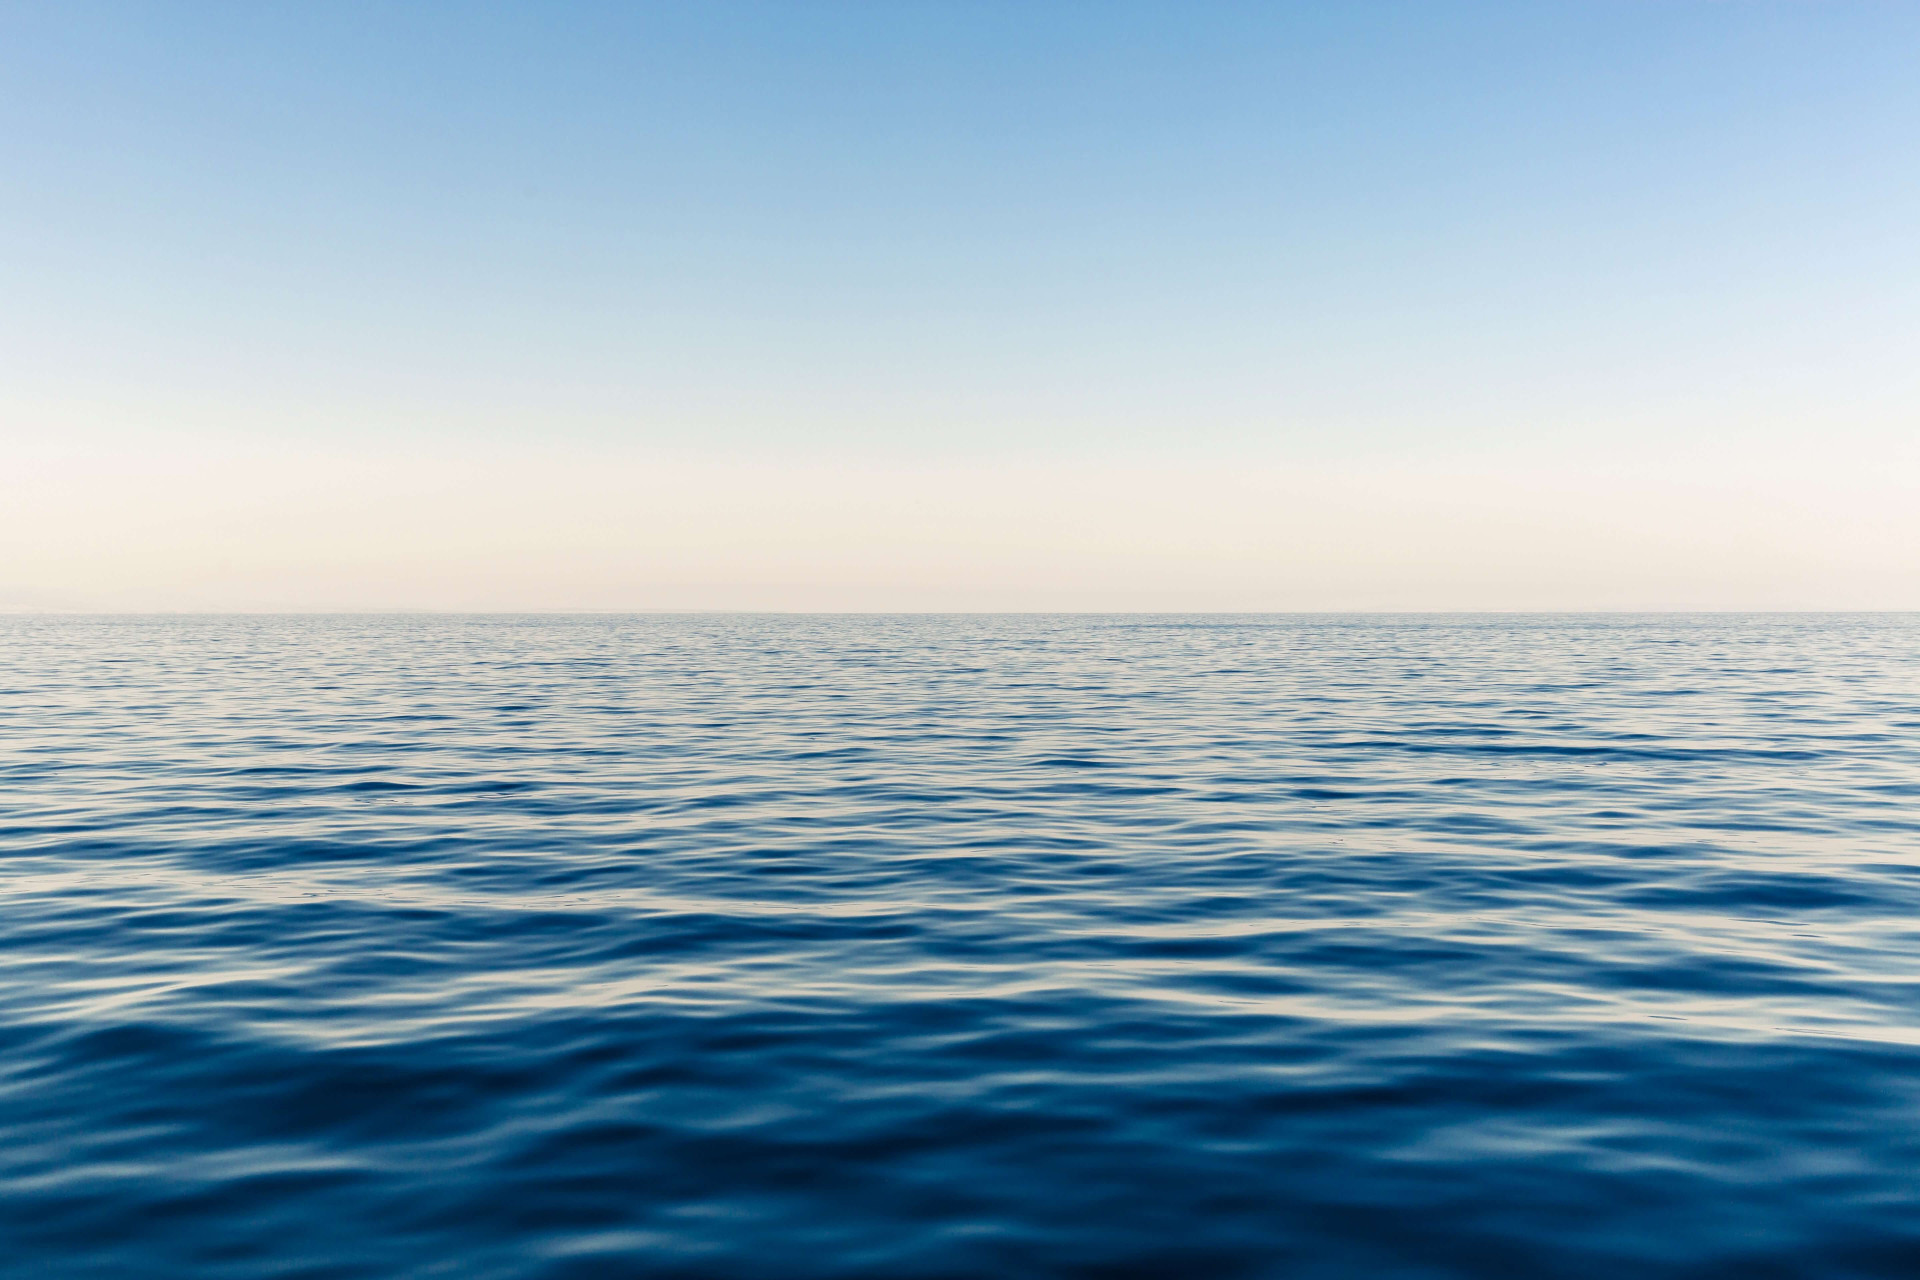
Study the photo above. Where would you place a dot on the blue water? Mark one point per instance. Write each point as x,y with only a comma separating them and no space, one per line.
960,947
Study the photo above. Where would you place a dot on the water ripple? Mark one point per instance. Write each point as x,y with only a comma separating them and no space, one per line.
952,947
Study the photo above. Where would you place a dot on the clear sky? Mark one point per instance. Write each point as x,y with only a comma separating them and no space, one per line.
960,305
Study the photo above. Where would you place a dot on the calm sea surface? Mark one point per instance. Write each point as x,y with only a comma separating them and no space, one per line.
960,947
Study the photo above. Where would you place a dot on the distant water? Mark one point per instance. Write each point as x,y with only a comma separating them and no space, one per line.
960,947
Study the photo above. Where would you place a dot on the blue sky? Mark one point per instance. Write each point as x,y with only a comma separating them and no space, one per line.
977,235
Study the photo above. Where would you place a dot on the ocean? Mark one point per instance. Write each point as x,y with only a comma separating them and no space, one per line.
955,946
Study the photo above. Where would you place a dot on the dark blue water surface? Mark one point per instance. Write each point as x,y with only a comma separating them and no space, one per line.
950,946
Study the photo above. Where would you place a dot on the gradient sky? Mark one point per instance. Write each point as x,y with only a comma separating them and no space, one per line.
960,305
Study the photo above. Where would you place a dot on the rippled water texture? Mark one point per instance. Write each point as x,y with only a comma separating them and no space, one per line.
913,947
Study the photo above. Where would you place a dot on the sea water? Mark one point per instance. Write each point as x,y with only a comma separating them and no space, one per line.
725,946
